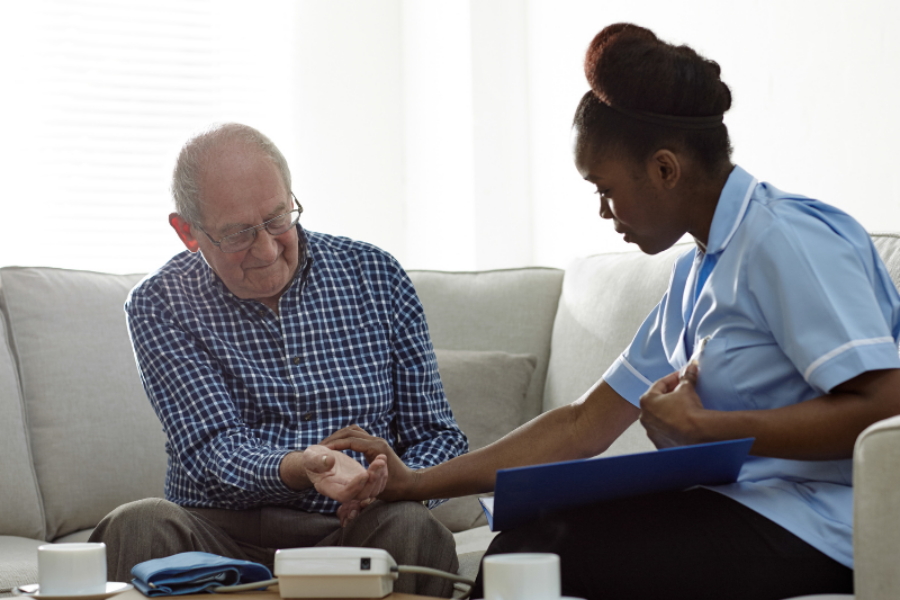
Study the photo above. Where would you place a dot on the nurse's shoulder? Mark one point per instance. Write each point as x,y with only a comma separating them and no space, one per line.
777,217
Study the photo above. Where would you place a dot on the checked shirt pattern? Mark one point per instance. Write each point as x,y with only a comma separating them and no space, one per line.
237,387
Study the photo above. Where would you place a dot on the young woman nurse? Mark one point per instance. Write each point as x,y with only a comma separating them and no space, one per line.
797,321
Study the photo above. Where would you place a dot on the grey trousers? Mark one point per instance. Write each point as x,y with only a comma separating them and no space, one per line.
155,528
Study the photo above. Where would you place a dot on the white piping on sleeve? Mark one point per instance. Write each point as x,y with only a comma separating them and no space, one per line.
635,372
843,348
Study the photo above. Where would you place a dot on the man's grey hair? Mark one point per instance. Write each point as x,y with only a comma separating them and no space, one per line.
195,156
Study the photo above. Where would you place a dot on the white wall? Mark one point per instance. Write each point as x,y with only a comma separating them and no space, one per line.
439,132
814,86
437,129
413,128
465,159
349,165
97,98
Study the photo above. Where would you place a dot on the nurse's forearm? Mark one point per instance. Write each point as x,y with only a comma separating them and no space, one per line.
819,429
582,429
541,440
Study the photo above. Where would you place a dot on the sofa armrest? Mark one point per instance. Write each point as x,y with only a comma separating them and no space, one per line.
876,511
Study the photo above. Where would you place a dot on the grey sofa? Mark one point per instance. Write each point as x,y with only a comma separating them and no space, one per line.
78,437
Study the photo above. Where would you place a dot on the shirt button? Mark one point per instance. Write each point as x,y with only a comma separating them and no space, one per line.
309,416
296,360
261,312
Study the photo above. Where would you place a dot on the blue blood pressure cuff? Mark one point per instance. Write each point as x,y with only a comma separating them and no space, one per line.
194,572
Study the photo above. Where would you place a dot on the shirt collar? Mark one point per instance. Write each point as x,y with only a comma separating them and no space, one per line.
732,206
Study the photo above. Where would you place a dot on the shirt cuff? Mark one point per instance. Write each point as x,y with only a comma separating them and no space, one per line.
269,478
852,359
434,502
627,381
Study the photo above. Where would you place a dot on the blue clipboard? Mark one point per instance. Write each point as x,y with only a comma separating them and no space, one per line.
527,493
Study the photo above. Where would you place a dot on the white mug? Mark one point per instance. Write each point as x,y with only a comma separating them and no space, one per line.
521,577
71,569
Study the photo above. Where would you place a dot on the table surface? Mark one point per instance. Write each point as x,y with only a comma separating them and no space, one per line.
270,594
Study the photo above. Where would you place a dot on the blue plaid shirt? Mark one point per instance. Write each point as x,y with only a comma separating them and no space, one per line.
237,387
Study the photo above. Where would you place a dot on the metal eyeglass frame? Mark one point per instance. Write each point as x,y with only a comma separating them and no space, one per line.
255,229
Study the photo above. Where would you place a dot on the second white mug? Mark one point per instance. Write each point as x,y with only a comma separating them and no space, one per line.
522,577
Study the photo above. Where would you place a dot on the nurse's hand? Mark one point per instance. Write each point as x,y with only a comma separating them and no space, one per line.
401,479
671,410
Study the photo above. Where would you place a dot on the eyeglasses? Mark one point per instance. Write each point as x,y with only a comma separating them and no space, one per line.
243,239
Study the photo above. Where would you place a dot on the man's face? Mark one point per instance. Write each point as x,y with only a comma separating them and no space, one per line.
241,188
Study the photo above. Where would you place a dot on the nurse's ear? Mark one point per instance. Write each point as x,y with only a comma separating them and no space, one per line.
664,169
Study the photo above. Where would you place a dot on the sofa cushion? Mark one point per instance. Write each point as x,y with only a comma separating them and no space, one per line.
78,537
461,514
486,391
470,545
508,310
95,440
18,562
605,298
19,497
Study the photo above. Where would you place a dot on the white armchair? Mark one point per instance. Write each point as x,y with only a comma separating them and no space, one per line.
876,514
876,511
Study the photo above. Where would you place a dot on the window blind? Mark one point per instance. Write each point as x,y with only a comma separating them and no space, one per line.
114,89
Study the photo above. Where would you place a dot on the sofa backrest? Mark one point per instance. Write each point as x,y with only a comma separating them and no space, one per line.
20,503
491,332
888,245
509,310
95,441
604,300
78,436
82,436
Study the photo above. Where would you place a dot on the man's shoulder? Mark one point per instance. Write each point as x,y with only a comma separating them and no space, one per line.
346,250
184,270
342,244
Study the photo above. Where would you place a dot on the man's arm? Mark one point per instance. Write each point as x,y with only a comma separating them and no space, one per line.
293,471
214,446
582,429
426,432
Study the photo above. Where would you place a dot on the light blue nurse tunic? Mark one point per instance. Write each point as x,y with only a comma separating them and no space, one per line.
796,301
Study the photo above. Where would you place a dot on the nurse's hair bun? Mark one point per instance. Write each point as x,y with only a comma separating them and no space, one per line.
628,67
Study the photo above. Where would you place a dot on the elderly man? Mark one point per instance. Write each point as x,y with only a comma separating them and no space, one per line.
257,344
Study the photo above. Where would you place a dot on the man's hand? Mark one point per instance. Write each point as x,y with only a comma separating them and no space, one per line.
336,475
400,478
671,410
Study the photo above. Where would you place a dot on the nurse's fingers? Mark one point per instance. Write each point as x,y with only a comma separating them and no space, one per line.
689,374
664,386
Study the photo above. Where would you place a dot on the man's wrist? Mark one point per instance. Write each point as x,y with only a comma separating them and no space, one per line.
292,471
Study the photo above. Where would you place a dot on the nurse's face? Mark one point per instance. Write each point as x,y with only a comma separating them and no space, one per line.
632,199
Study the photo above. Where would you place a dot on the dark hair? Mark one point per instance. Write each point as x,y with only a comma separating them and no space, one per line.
629,68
